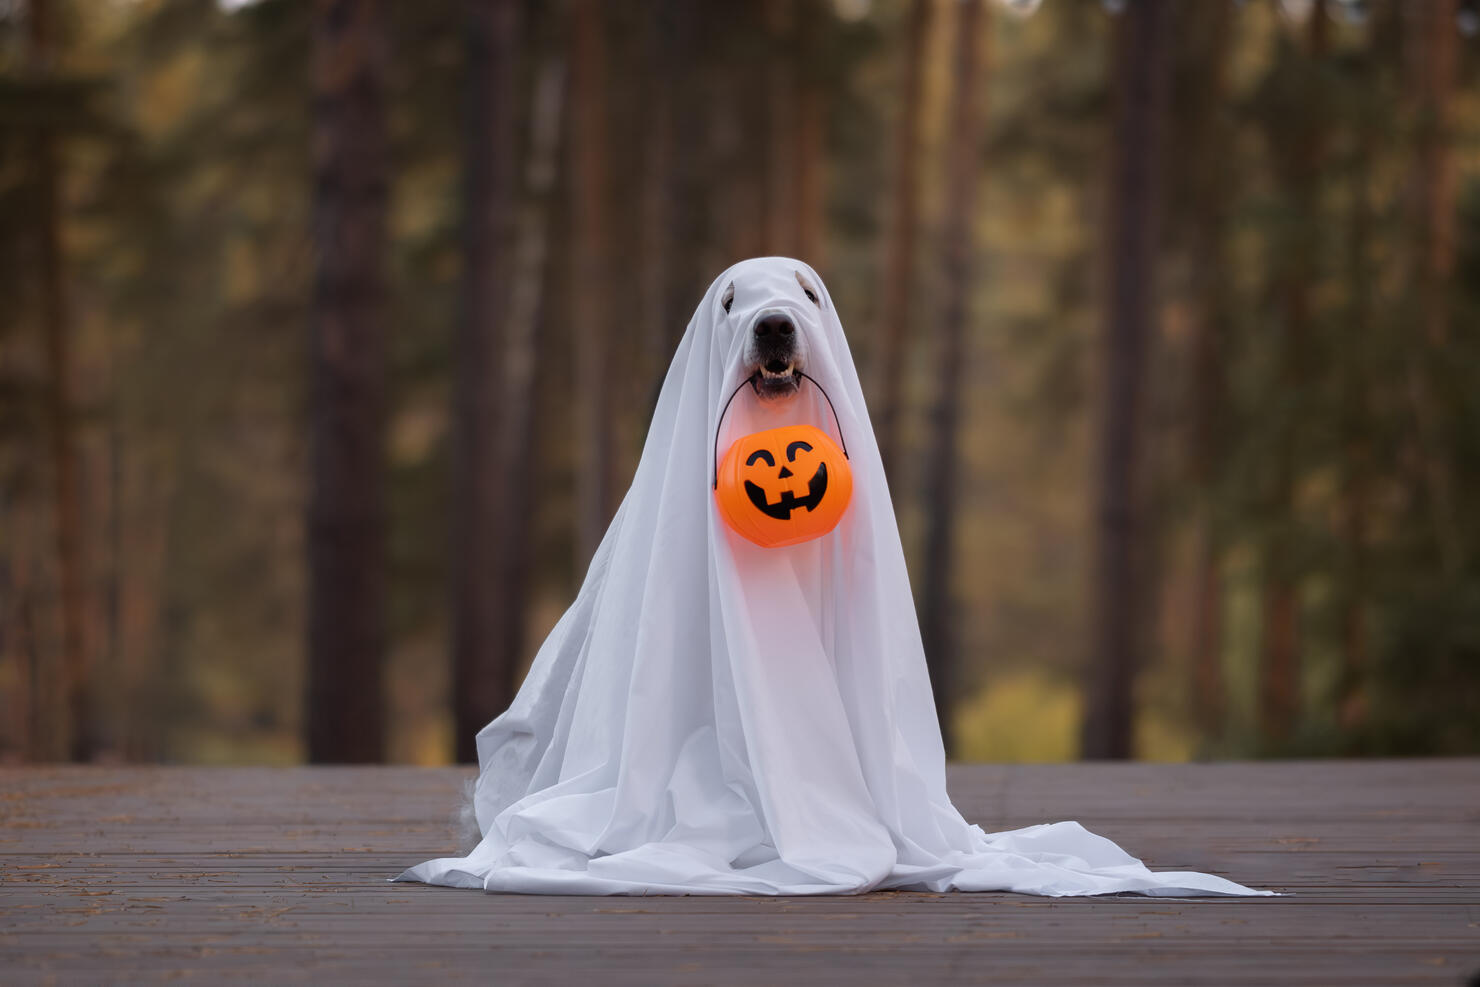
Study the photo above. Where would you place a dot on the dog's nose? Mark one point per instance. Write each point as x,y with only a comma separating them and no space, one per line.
779,324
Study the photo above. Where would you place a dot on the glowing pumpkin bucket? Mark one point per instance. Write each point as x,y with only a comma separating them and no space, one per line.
784,485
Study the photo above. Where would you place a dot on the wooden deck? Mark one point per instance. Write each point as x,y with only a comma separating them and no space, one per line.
271,875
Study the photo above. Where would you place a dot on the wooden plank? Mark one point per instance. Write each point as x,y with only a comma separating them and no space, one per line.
270,875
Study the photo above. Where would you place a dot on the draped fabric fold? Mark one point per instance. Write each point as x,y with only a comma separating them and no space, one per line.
714,717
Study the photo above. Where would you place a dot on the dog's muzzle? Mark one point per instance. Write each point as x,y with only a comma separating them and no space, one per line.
775,356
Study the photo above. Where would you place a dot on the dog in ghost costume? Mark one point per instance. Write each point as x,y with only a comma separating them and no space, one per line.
715,717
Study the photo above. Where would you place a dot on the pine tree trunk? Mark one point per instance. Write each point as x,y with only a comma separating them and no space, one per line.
1120,530
75,658
899,257
147,541
738,127
346,516
113,737
524,348
1208,148
1352,688
16,652
485,598
779,163
34,735
658,181
1356,439
691,220
810,129
963,167
591,277
1280,648
1432,52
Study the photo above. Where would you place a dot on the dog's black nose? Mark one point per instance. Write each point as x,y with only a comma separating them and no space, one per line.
779,324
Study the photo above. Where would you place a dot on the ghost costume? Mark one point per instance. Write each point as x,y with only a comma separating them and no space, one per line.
714,717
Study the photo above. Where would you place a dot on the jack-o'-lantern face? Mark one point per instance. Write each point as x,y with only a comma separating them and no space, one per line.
784,485
787,483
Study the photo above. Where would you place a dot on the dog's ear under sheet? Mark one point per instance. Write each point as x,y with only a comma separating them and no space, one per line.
713,717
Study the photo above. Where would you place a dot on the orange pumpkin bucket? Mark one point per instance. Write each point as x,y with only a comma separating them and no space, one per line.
784,485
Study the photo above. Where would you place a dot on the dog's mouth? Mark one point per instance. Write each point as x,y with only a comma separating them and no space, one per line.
776,378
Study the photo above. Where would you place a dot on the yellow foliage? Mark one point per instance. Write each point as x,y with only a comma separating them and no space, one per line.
1033,717
1022,717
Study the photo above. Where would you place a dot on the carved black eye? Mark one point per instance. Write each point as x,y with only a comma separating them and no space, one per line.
791,450
761,454
729,298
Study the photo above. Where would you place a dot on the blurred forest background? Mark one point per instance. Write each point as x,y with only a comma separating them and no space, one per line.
329,332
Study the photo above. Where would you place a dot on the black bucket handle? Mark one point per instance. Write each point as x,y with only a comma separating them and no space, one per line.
751,380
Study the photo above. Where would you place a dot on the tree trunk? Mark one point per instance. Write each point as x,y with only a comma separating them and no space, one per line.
1352,687
1132,237
346,514
149,509
35,736
1208,146
1356,442
1431,40
811,130
591,275
779,163
691,220
76,673
112,744
963,165
1433,50
524,345
808,137
1280,661
17,649
658,181
738,124
899,256
482,605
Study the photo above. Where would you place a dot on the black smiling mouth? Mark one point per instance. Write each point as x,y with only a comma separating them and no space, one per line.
781,510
